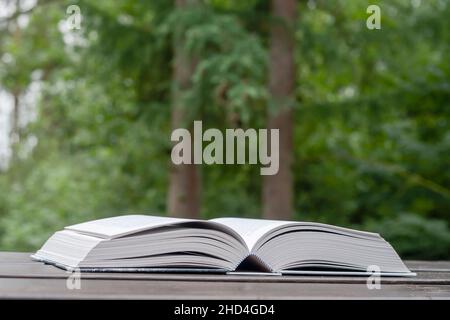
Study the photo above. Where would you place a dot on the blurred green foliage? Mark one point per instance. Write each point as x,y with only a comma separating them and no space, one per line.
372,139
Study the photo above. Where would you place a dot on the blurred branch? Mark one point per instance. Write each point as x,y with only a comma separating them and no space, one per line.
411,177
107,15
410,88
17,13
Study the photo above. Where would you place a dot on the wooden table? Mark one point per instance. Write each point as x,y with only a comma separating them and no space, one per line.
22,278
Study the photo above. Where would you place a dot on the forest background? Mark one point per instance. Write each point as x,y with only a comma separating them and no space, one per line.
86,113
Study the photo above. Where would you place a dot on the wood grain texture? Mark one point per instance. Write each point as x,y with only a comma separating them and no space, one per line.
20,277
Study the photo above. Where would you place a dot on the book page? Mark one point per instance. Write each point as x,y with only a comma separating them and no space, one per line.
123,225
250,229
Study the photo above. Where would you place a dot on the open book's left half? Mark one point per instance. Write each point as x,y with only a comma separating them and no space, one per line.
152,243
139,241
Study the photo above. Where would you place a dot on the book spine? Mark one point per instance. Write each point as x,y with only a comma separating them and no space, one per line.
253,262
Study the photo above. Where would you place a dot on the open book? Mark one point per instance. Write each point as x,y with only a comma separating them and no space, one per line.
134,243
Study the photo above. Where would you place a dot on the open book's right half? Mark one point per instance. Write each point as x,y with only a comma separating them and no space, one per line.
313,248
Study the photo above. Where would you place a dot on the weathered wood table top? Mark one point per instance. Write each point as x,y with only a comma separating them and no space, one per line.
22,278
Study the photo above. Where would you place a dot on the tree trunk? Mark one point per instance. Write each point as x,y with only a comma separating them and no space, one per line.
14,132
183,199
277,190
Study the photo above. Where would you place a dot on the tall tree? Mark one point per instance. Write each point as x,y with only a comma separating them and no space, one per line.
16,90
183,199
277,190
